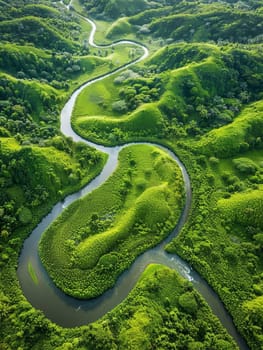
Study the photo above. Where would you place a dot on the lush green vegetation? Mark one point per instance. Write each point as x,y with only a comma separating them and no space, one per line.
42,65
224,21
162,312
208,99
177,96
34,83
200,93
133,211
114,9
223,238
33,178
32,273
114,97
244,133
190,21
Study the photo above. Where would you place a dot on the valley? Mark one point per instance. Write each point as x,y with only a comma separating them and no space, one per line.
195,91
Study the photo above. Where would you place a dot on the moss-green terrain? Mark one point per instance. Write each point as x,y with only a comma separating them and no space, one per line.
163,311
134,210
33,178
200,93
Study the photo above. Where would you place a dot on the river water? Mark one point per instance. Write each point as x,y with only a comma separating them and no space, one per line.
70,312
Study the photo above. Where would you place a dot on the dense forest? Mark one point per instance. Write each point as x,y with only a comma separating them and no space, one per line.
199,93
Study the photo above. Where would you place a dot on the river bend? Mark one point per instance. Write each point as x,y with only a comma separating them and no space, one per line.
70,312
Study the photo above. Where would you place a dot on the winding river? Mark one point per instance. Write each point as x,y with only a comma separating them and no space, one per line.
70,312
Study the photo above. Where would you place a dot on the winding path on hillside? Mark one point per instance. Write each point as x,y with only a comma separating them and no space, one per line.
70,312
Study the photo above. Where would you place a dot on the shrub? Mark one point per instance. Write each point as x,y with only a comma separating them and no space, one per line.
25,215
188,303
245,165
119,106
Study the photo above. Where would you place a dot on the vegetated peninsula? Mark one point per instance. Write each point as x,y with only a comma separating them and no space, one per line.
199,93
99,236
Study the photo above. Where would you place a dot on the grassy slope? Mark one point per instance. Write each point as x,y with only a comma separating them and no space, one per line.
136,208
223,238
115,8
56,171
147,119
40,96
120,27
49,38
244,208
162,312
211,76
237,136
228,256
216,24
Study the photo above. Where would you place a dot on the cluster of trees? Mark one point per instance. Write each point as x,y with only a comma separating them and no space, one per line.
33,31
163,311
204,95
224,235
55,69
115,8
193,100
30,179
223,238
136,91
177,21
41,26
220,24
28,111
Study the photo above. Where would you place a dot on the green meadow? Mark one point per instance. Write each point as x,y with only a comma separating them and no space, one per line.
99,236
200,93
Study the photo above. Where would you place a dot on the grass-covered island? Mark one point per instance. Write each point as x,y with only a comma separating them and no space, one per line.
100,235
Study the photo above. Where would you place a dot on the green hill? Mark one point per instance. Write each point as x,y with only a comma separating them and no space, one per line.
133,210
116,8
245,132
216,25
32,30
33,178
200,93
